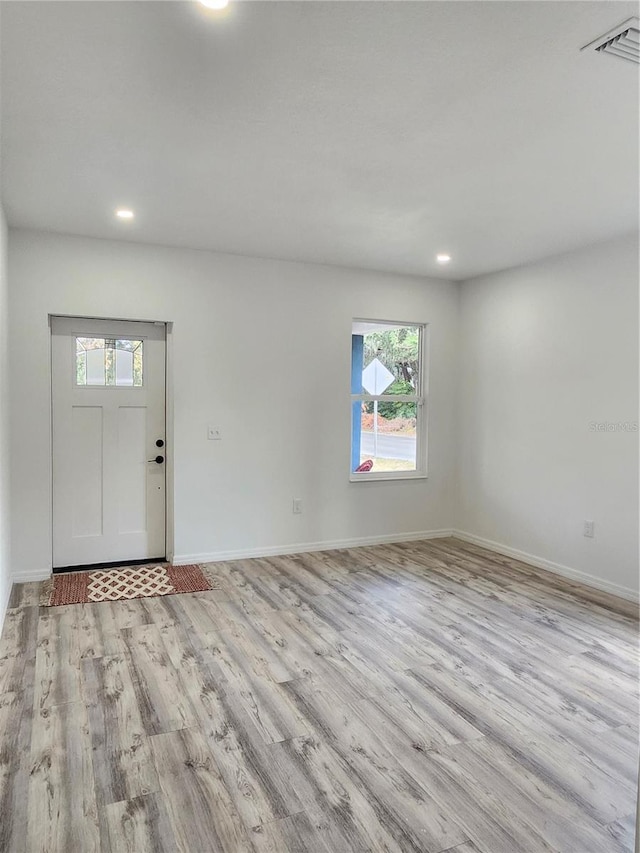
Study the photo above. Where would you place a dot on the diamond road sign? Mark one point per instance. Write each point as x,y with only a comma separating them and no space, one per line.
376,378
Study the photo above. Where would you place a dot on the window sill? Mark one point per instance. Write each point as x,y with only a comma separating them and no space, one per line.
367,477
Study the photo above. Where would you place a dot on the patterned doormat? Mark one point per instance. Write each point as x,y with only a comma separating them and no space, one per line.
119,584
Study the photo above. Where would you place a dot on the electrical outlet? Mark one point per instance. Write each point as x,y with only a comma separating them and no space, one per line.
214,434
297,506
588,529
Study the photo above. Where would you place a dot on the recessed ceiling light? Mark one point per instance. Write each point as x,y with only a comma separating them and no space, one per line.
215,4
443,259
123,213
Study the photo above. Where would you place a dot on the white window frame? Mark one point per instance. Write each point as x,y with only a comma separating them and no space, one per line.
421,397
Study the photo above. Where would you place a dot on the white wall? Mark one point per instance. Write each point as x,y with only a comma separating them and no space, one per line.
261,349
547,350
5,451
543,351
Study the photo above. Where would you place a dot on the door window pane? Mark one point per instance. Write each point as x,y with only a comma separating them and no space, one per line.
95,363
104,362
124,367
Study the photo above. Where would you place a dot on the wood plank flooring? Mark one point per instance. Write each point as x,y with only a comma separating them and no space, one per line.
426,696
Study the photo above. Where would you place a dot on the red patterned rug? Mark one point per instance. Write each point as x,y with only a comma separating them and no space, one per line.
119,584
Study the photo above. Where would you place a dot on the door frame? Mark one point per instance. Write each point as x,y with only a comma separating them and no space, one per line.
169,533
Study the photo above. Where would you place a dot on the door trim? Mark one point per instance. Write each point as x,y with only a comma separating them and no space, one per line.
169,434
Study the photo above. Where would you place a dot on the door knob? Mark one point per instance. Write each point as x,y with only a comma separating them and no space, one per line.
159,443
158,459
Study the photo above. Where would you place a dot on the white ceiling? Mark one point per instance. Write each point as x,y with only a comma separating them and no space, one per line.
354,133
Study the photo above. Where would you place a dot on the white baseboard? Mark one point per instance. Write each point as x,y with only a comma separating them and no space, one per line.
557,568
304,547
28,577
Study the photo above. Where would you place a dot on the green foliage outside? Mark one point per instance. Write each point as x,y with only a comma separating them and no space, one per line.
399,351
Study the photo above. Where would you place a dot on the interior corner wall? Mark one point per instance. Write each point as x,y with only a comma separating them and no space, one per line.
5,451
548,403
260,349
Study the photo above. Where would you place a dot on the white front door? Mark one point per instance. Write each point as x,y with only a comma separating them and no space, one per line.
109,450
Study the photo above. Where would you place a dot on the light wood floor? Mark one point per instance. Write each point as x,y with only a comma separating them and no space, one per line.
417,697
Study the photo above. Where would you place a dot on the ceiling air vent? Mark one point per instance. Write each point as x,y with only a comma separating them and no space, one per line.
623,41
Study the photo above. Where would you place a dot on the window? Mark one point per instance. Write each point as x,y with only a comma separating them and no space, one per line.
108,362
387,400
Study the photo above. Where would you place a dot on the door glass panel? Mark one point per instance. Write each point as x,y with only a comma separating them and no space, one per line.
124,367
104,362
94,359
